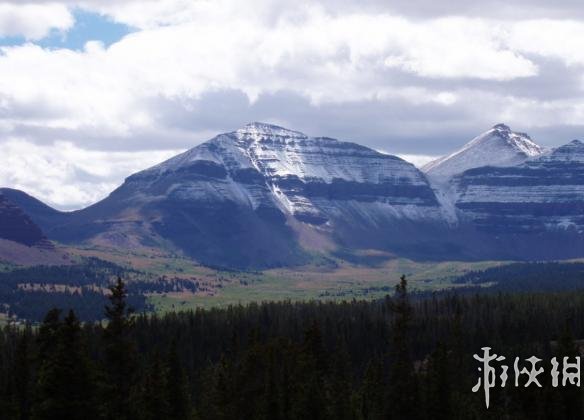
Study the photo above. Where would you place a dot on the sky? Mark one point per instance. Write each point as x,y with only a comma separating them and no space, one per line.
94,90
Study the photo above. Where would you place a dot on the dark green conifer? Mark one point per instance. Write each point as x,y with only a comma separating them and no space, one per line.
65,384
177,387
119,356
403,399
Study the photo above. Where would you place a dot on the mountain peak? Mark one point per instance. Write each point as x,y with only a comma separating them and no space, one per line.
260,129
499,146
502,127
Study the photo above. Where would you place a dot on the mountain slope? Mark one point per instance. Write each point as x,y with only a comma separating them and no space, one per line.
46,217
499,146
534,209
22,242
16,226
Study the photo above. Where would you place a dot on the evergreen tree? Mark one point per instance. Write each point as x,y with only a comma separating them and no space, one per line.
23,376
65,387
339,385
152,401
372,390
402,398
310,398
177,387
119,356
6,376
217,402
438,381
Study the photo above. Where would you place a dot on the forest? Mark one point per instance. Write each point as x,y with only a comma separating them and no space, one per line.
28,293
396,358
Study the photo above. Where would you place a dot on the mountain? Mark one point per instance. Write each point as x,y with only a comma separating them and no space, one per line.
22,242
265,196
17,227
499,146
262,196
531,210
43,215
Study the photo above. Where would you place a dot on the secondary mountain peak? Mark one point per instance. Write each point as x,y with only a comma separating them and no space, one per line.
570,152
576,143
499,146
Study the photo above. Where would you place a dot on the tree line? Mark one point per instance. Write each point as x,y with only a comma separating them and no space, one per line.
396,358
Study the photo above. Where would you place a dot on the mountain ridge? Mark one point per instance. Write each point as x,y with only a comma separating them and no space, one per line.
264,196
261,195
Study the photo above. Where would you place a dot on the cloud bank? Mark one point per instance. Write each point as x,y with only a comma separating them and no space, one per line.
413,78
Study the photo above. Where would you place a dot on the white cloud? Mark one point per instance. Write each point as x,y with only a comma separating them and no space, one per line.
34,21
367,71
66,176
106,89
563,40
458,47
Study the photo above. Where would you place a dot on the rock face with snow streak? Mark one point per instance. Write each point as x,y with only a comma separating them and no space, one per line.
250,197
499,146
534,209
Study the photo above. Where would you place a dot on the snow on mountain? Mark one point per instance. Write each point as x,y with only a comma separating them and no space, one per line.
542,194
260,195
279,152
304,174
499,146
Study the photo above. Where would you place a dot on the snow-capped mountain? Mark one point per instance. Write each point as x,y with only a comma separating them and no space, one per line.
499,146
262,195
540,198
265,196
302,174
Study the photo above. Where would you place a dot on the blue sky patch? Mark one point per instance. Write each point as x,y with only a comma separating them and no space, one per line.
88,27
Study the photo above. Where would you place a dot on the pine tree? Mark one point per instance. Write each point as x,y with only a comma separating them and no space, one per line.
339,385
309,401
402,398
438,380
217,401
177,388
152,402
372,398
65,385
119,356
23,376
